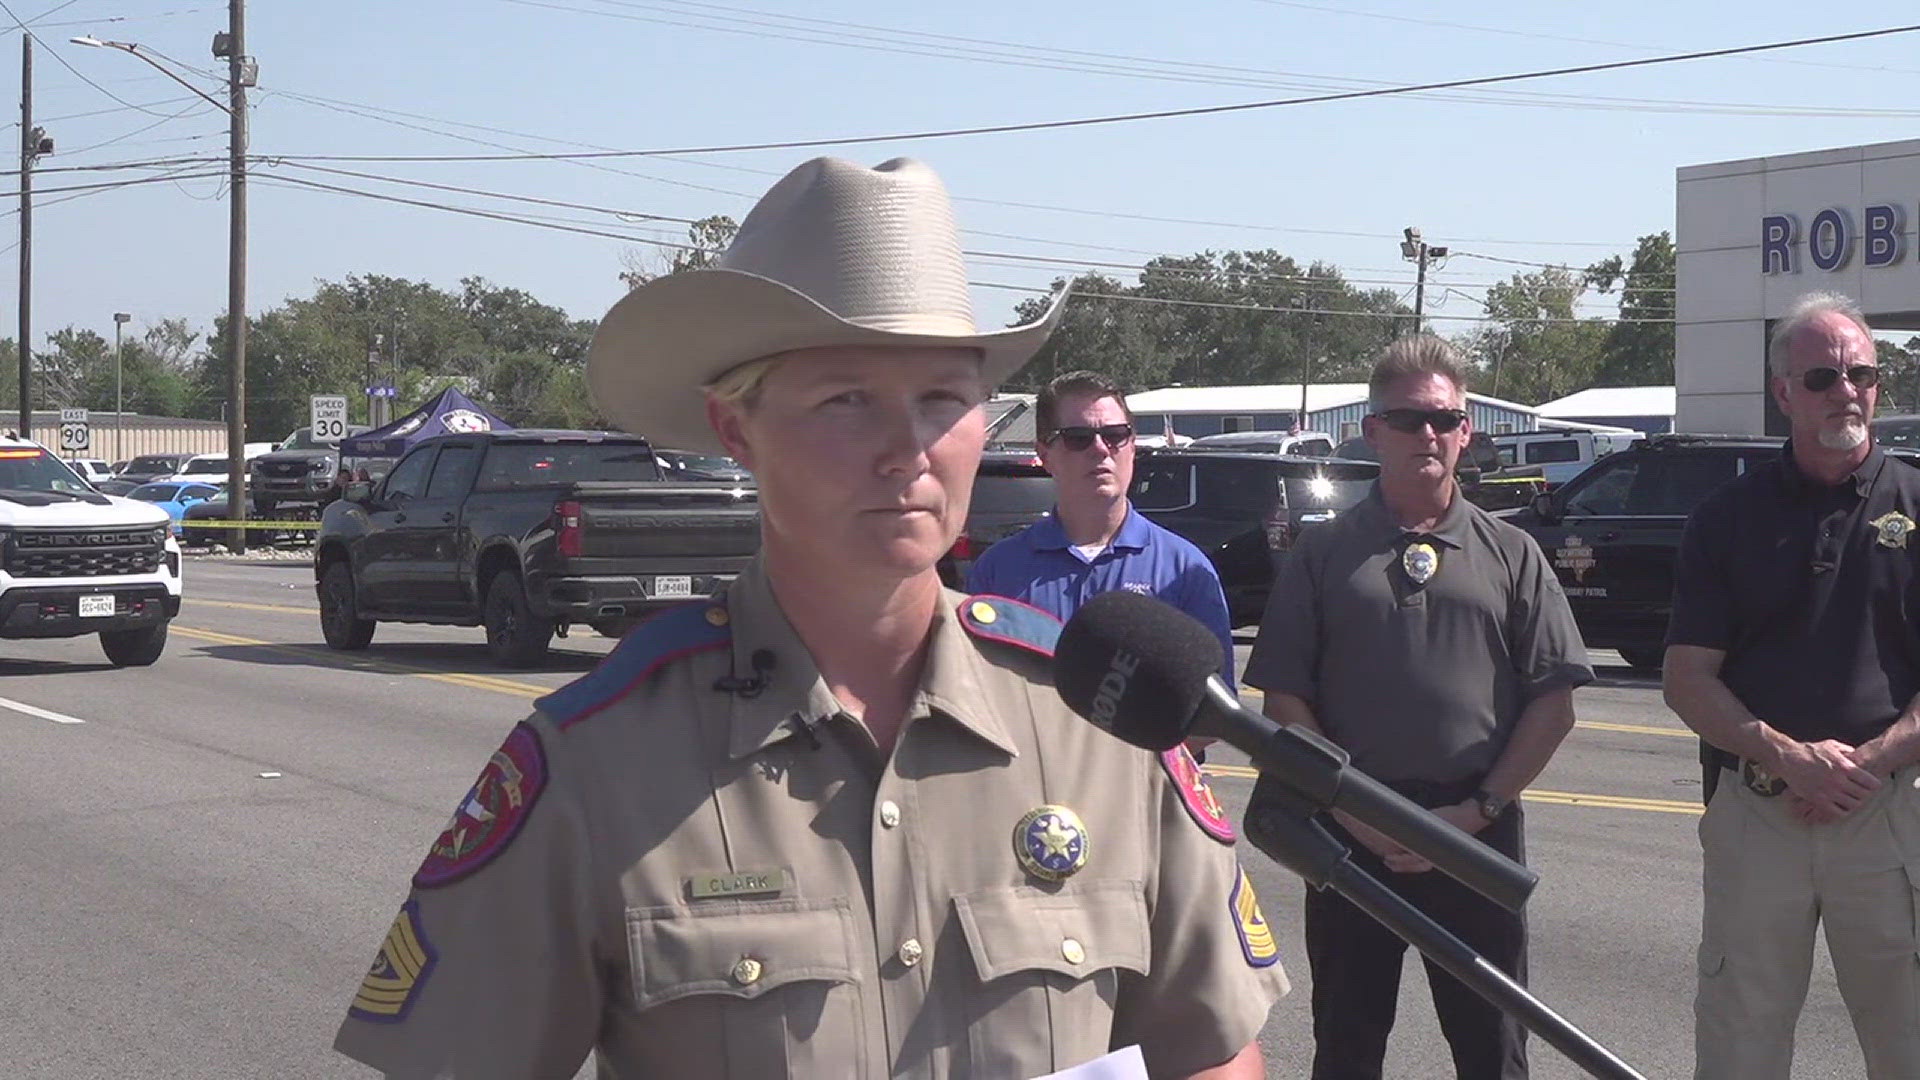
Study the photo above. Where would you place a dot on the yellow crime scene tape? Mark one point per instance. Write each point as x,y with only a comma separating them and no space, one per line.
202,523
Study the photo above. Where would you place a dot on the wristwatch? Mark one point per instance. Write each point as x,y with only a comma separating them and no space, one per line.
1491,806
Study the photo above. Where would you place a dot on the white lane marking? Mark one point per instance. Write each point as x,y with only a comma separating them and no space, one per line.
35,710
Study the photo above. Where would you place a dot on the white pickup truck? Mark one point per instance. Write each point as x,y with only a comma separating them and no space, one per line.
74,561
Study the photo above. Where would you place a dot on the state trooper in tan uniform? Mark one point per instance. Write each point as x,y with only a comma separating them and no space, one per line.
834,822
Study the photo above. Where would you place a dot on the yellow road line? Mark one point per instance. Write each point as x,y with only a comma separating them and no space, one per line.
1563,798
237,605
1591,725
1615,802
1636,729
362,663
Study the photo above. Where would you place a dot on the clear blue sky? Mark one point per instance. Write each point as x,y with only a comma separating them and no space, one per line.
1543,170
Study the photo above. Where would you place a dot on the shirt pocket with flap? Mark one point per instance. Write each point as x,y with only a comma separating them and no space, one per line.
746,989
1050,965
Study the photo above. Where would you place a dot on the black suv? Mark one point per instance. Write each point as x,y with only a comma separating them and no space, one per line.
1613,532
1010,492
1244,510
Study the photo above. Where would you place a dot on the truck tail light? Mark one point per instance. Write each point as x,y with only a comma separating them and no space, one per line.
566,528
964,548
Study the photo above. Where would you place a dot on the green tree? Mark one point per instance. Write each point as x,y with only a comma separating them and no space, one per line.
1639,348
523,356
1095,333
1535,348
156,371
1233,317
9,385
706,238
67,372
1899,375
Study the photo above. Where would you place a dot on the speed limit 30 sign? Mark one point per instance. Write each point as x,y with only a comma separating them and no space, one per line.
328,417
75,435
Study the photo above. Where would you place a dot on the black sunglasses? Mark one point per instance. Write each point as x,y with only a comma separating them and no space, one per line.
1862,376
1412,420
1079,438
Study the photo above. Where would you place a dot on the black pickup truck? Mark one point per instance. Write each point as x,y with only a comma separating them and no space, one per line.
526,533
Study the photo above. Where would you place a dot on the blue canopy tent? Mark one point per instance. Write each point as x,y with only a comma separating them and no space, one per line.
449,413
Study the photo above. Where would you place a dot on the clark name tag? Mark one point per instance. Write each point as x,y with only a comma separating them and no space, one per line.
740,884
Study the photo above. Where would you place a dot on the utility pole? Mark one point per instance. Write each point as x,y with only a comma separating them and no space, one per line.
1415,250
241,74
119,400
1300,301
33,143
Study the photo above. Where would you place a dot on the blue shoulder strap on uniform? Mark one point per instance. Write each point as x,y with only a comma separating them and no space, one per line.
997,618
676,632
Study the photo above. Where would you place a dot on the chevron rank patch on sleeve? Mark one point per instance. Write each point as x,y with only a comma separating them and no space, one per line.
1256,937
398,973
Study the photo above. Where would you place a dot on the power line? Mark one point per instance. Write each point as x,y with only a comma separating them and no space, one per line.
473,212
370,112
63,63
588,231
65,4
841,34
114,18
112,185
1303,311
1164,114
101,112
1509,32
121,166
490,194
136,131
1306,281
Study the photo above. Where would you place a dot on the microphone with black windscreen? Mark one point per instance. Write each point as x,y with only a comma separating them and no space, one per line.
1148,673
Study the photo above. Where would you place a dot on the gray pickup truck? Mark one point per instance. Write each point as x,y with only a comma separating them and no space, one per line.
526,533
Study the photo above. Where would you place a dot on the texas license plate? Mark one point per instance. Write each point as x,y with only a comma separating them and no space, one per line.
95,606
670,586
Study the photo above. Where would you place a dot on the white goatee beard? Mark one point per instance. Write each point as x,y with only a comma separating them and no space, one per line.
1845,437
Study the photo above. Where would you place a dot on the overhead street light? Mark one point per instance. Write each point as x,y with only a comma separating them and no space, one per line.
134,50
242,72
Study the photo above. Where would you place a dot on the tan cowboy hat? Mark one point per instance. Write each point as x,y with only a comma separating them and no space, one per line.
835,254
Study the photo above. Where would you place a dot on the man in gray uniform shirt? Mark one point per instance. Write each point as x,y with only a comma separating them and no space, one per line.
1433,643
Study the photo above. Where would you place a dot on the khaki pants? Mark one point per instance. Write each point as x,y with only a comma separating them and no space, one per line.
1768,881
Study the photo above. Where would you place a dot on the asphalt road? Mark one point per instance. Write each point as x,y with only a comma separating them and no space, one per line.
199,859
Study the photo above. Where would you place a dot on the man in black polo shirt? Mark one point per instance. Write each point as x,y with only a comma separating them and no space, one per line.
1433,643
1793,651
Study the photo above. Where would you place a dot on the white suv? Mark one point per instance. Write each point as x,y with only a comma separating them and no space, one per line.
1299,443
74,561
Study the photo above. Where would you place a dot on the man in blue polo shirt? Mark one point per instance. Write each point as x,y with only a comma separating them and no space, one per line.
1094,541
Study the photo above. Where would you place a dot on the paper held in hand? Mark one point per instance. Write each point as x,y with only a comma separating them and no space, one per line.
1124,1064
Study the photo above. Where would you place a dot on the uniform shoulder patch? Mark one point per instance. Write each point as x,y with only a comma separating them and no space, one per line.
1201,803
997,618
398,973
675,633
1256,937
491,814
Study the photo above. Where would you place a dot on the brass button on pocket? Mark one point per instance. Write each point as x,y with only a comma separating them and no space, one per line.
747,971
